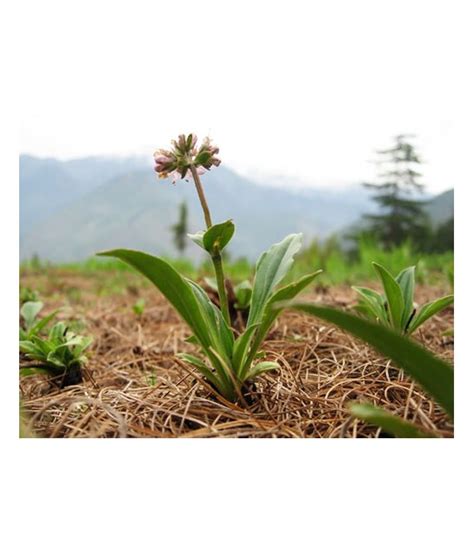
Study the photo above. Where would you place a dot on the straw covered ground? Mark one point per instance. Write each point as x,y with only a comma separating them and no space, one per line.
136,387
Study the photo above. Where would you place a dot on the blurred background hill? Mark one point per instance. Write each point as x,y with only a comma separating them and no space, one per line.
71,209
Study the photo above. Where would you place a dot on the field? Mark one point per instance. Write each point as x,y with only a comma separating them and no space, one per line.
135,386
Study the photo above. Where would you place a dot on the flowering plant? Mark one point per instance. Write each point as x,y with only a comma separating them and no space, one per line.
227,360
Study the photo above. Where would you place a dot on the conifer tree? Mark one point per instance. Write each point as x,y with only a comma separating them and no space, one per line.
401,217
180,229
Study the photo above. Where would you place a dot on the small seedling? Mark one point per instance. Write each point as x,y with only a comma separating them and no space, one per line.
27,294
139,307
32,325
395,308
60,355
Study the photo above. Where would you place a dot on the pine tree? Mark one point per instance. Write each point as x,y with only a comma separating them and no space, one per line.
180,229
400,217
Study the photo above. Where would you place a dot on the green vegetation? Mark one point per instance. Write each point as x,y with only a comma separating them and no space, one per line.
432,373
229,318
355,266
27,294
139,307
32,325
339,266
229,359
60,354
395,308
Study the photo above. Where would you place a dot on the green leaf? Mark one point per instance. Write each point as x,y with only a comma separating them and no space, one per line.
171,284
57,332
38,327
270,314
32,371
243,294
373,302
392,424
29,312
406,280
221,335
432,373
394,296
218,236
262,367
288,292
202,368
272,267
28,347
241,346
428,310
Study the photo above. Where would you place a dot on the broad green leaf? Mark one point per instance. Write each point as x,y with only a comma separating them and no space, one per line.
57,331
406,280
219,331
218,236
171,284
29,312
221,339
432,373
26,346
272,267
373,302
392,424
428,310
202,368
288,292
393,294
260,368
241,346
42,346
54,358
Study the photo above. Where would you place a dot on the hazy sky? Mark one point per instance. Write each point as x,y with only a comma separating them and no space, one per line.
301,88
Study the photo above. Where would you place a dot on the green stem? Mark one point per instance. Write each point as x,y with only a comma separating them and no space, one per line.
216,258
202,198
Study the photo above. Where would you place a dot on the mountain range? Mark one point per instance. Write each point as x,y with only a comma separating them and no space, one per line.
71,209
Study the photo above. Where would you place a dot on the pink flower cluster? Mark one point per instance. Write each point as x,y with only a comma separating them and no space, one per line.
176,163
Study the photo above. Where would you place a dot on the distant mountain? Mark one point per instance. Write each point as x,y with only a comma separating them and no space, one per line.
46,185
72,209
441,208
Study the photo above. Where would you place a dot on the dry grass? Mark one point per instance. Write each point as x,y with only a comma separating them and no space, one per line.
136,387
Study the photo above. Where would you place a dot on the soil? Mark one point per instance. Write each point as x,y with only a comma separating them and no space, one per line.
135,386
